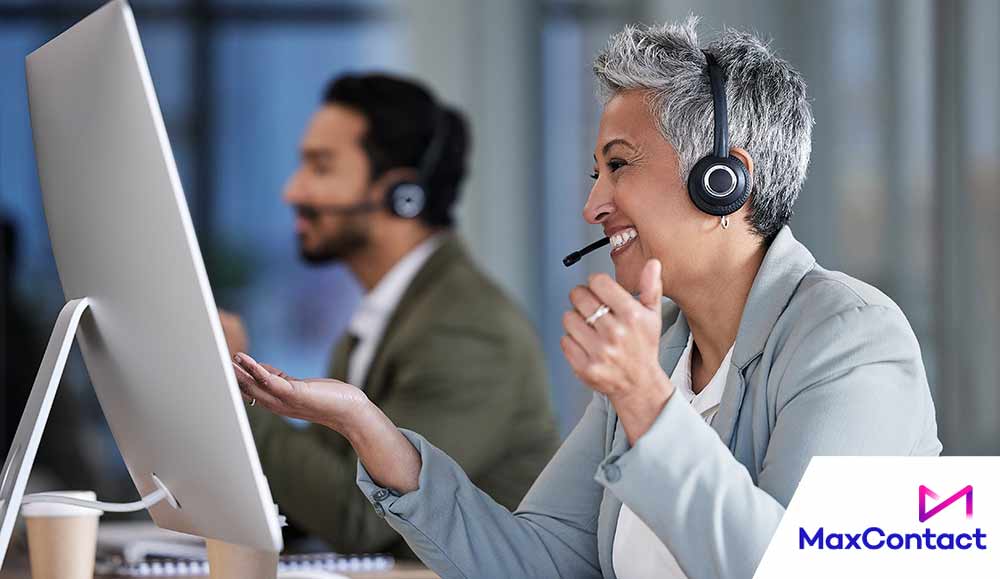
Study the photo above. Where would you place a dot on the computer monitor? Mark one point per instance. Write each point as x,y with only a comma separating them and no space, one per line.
151,339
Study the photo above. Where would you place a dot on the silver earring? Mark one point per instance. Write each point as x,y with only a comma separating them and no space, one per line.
724,222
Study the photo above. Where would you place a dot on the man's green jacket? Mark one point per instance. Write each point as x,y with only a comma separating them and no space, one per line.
460,364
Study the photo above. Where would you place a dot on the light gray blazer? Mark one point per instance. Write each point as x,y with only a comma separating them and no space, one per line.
823,365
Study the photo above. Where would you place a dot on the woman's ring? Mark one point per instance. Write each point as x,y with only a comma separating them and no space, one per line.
253,402
601,311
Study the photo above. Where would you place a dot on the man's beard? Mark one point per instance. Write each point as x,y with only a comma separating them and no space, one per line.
352,236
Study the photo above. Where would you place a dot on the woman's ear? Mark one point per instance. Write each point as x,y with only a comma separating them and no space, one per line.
743,156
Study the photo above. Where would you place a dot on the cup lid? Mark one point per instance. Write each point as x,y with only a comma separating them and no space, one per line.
60,510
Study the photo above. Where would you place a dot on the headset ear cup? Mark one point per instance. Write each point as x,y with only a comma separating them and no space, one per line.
406,199
712,203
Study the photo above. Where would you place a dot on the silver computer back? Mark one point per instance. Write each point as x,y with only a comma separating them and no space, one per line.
122,236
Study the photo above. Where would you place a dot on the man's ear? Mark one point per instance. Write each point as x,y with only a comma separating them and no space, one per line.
389,178
743,156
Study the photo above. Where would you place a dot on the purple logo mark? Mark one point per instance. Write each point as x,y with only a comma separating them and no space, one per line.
926,492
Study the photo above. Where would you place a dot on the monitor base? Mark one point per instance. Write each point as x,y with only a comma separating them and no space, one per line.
230,561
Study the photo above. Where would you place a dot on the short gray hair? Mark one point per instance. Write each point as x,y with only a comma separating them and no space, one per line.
769,114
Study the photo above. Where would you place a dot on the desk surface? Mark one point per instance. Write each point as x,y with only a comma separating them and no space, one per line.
404,570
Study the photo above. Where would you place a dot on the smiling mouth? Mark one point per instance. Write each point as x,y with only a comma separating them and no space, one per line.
622,239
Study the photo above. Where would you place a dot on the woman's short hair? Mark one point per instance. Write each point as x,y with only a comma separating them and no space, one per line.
769,114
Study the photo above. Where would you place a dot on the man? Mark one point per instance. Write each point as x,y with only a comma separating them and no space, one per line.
434,343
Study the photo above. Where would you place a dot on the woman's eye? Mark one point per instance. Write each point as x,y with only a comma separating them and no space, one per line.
613,164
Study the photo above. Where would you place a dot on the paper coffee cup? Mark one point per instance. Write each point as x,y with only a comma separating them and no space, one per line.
62,539
230,561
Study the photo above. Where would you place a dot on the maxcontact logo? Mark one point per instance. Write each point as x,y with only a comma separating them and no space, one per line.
925,492
874,538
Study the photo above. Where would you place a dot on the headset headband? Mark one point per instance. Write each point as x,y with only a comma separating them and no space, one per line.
435,150
718,80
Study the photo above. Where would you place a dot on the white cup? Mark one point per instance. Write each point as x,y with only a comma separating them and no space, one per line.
62,539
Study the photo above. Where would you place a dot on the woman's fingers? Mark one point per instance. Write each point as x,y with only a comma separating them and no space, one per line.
276,371
259,373
243,379
575,355
586,303
250,389
609,292
581,332
276,386
584,300
254,369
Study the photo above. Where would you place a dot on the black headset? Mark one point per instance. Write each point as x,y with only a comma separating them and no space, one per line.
719,183
409,198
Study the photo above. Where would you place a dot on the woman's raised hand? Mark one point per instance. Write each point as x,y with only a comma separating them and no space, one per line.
612,343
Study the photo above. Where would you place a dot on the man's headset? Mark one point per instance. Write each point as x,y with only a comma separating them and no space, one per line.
407,198
719,183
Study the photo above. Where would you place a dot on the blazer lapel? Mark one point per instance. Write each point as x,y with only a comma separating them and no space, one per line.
724,421
342,356
672,346
787,261
674,340
443,257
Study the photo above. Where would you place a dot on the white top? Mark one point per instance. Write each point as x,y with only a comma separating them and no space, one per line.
378,305
637,552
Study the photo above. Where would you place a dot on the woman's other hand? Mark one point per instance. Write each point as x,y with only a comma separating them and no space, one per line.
617,353
331,403
389,457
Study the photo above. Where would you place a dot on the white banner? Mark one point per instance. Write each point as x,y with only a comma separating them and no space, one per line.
860,517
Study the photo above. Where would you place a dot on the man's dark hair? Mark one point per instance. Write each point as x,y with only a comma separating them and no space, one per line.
402,116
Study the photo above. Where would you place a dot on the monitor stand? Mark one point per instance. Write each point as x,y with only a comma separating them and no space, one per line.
21,456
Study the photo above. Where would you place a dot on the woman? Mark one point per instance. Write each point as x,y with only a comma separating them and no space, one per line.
695,441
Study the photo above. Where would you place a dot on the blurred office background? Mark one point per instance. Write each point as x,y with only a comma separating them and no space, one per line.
902,192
